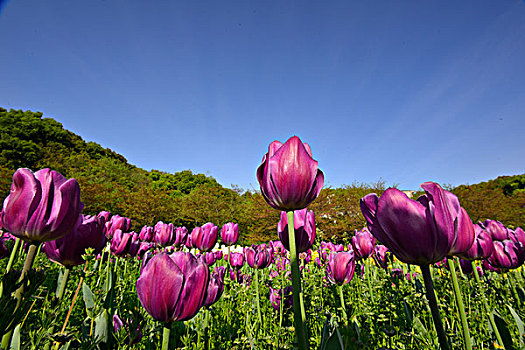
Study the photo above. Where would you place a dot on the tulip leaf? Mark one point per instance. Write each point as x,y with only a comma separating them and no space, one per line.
59,282
101,326
504,332
409,313
15,340
519,323
89,298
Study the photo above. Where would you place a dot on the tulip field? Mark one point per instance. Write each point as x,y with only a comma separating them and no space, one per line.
418,275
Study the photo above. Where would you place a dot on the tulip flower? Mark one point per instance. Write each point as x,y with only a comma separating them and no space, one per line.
382,256
181,234
218,254
497,230
209,258
164,234
120,243
230,233
215,286
507,255
341,267
288,175
258,256
106,215
41,206
117,223
482,247
275,297
205,237
363,244
173,287
518,235
236,260
133,337
68,250
147,234
304,225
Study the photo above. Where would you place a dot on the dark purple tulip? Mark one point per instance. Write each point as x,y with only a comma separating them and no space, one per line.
396,274
466,266
278,248
210,258
189,243
117,223
418,232
464,230
134,245
146,234
507,255
205,237
275,298
118,324
4,252
218,254
181,234
482,247
304,224
288,175
497,230
41,206
382,256
143,248
120,243
173,287
236,260
69,249
363,244
518,235
230,233
341,267
215,286
164,234
106,215
258,256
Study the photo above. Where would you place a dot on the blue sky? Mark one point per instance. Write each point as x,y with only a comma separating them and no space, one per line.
406,91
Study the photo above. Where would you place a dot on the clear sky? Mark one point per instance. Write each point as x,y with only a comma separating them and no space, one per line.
406,91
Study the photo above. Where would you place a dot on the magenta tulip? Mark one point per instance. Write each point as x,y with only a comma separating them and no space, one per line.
120,243
41,206
363,244
288,175
215,286
117,223
181,234
497,230
236,260
147,234
173,287
164,234
341,267
482,247
230,233
205,237
276,296
419,232
258,256
382,256
507,255
69,249
304,224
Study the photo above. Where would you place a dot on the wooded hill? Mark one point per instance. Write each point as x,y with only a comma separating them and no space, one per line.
109,182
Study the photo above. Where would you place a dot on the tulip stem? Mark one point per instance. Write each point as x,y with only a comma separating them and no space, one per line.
63,284
431,296
343,307
299,319
258,301
166,336
459,303
10,263
486,305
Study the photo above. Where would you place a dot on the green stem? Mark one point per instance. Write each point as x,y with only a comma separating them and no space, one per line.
30,258
431,296
513,288
63,284
166,336
299,321
343,307
459,303
13,255
367,271
486,305
258,301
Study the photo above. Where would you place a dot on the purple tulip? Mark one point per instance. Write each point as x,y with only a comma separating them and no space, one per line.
518,235
278,248
215,286
41,206
497,230
133,337
507,255
382,256
120,243
275,298
164,234
304,224
117,223
236,260
209,258
258,256
288,175
205,237
105,214
418,232
466,266
230,233
143,248
363,244
181,234
341,267
482,247
69,249
146,234
173,287
218,254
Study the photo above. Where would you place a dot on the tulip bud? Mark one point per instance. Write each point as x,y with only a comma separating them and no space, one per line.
146,234
230,233
363,244
117,223
288,175
181,234
497,230
382,256
341,267
164,234
482,247
41,206
236,260
258,256
507,255
205,237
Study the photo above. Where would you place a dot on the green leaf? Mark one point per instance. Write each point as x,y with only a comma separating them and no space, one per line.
59,282
519,323
101,326
15,340
89,298
504,332
409,313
